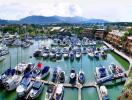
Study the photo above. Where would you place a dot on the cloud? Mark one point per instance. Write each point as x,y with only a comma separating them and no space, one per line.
113,10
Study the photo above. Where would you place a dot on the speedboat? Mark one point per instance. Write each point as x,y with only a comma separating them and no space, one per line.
55,75
96,55
46,53
6,75
81,77
24,86
65,53
36,89
73,77
12,82
59,92
91,54
84,51
101,72
62,77
103,54
50,92
104,93
20,68
114,69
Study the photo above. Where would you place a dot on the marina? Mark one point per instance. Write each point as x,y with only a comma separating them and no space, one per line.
85,63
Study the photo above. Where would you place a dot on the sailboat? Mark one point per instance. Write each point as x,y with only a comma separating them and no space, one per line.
81,77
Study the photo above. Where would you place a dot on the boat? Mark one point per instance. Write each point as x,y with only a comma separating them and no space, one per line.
59,92
36,89
24,86
6,75
37,53
73,76
78,53
97,54
91,54
20,68
52,53
58,54
2,58
12,83
65,53
103,54
81,77
84,51
44,72
71,55
104,93
61,77
114,69
101,72
55,75
46,53
50,92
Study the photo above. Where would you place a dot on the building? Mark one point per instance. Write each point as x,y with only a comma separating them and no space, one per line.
128,44
100,34
114,37
88,32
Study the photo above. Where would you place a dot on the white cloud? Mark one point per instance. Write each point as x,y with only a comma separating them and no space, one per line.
113,10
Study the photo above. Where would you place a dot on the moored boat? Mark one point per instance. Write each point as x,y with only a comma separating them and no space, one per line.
61,77
104,93
36,89
81,77
73,76
59,92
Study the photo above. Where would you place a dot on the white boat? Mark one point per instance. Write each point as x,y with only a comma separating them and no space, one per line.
81,77
12,82
59,92
21,67
36,89
91,54
50,92
2,58
101,72
104,93
24,86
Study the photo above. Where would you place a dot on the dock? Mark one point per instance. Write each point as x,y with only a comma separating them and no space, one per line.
77,85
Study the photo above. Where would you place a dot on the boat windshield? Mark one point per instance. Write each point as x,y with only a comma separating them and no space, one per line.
25,81
37,85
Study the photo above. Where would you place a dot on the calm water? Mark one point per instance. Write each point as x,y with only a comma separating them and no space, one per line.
66,65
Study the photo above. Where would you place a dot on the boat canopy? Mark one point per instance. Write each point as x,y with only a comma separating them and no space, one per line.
46,69
25,81
37,84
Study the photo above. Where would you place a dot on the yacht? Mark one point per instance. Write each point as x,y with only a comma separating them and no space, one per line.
78,53
62,77
104,93
59,92
73,76
36,89
37,53
24,86
50,92
12,83
55,75
46,53
58,54
52,53
101,72
81,77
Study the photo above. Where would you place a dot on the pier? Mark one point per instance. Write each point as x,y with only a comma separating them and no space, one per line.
77,85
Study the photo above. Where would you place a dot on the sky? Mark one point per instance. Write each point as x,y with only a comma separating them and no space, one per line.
111,10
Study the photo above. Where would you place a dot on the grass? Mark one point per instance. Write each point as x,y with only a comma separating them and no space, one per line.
123,62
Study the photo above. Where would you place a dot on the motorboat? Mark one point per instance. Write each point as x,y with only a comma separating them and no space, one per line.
58,54
36,89
52,53
78,53
37,53
103,54
12,83
6,75
65,53
59,92
24,86
61,76
96,54
104,93
73,76
114,69
71,55
44,73
55,75
91,54
20,68
50,92
101,72
84,51
46,52
81,77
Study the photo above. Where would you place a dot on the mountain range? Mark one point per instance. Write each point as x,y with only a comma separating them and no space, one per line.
52,20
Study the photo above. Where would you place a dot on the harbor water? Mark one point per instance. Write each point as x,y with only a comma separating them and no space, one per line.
88,66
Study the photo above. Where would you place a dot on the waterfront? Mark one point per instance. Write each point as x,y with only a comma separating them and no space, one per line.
88,67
